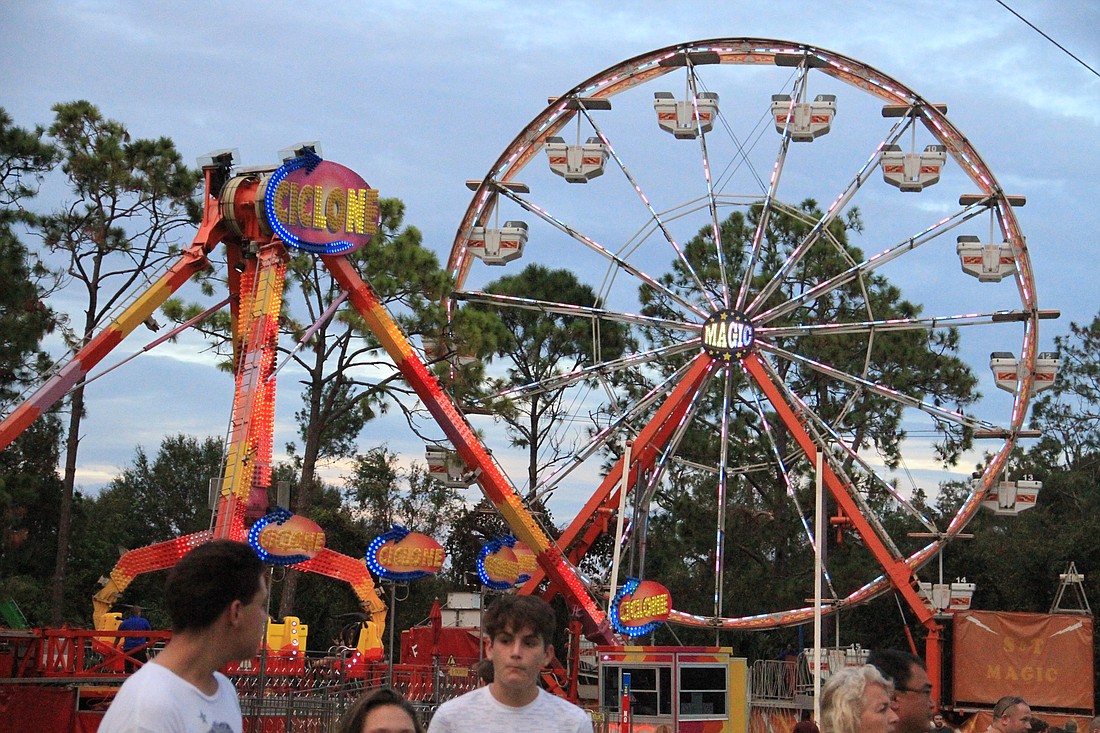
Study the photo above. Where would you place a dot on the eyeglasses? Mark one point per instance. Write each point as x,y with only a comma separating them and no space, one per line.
926,690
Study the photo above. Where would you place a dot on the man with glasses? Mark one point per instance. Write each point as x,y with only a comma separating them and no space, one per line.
912,688
1011,715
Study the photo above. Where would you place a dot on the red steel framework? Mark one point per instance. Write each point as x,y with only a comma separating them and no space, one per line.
256,294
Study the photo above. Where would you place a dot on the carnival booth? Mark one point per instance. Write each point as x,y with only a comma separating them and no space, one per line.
664,689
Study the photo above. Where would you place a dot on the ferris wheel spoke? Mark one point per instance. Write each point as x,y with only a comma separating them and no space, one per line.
609,431
928,323
894,395
723,478
580,375
599,249
712,201
579,311
773,187
875,476
782,462
870,265
815,233
845,481
655,217
670,452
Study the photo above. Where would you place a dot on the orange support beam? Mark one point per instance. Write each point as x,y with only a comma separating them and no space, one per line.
466,443
900,574
650,442
192,261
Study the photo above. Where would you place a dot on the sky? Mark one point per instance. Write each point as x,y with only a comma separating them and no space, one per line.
421,97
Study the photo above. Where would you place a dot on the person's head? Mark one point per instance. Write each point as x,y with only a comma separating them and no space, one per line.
937,720
519,613
484,672
520,631
857,700
1094,725
912,688
1038,725
380,711
220,577
1070,726
1011,714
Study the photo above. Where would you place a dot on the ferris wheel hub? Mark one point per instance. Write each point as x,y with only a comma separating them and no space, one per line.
728,334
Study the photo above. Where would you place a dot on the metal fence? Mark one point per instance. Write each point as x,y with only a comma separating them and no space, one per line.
312,700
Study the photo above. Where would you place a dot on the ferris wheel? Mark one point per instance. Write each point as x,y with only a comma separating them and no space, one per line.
777,254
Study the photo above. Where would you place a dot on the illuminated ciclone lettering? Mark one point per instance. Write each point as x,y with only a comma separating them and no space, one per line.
504,567
640,607
320,206
283,538
504,562
342,211
645,608
728,335
288,541
414,557
403,555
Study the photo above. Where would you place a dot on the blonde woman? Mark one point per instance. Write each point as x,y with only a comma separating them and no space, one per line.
857,700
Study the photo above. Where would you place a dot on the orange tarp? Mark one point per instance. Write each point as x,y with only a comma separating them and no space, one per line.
1045,658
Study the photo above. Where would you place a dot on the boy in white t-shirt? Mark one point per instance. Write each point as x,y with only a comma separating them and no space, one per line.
216,596
520,630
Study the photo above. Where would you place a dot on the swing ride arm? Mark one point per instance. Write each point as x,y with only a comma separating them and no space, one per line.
192,261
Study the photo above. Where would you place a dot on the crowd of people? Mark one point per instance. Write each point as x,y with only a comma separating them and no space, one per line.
216,597
893,694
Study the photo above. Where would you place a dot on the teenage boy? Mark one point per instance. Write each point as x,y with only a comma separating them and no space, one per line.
520,630
216,596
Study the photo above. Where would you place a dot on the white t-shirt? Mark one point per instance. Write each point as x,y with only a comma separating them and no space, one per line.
156,700
480,712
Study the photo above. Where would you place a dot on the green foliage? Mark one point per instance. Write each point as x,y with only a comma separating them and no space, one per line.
24,317
536,346
129,199
377,494
380,493
30,489
1069,414
170,492
154,499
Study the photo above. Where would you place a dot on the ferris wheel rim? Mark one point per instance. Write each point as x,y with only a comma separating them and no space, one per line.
741,51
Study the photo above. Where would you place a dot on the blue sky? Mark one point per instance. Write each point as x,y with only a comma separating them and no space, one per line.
420,97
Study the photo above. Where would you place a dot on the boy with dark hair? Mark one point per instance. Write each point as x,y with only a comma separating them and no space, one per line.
520,630
216,596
